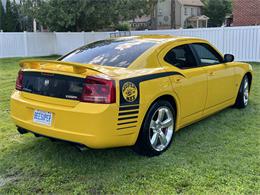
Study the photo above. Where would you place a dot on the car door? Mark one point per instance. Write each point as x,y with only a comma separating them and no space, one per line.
190,85
221,83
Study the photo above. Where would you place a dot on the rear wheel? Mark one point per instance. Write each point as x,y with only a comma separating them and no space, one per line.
157,130
243,93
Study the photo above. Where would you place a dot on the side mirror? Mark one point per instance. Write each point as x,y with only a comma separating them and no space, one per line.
228,58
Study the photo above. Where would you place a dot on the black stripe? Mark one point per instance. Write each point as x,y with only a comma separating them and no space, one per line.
130,117
127,113
127,123
128,108
126,127
137,80
153,76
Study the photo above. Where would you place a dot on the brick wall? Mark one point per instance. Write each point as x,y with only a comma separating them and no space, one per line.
246,12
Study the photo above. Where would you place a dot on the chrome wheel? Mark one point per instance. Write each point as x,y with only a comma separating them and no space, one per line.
246,91
161,128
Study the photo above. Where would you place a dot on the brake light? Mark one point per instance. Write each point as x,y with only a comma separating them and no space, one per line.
19,81
99,90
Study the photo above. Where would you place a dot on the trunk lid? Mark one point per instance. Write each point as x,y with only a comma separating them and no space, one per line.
57,79
67,67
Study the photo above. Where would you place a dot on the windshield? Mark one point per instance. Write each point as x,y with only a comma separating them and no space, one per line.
117,52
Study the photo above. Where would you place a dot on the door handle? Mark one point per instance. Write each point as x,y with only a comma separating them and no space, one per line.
212,73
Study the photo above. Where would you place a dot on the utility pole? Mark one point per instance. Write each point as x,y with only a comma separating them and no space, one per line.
173,23
153,4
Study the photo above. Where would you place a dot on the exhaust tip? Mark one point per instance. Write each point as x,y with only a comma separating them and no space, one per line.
37,135
22,130
80,147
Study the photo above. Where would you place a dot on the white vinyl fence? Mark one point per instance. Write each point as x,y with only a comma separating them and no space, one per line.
243,42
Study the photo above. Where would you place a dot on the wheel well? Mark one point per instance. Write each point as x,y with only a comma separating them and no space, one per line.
171,100
168,98
249,75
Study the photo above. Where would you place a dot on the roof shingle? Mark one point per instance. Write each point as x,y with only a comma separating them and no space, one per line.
192,2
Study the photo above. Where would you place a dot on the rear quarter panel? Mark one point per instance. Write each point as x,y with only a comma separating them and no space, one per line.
148,92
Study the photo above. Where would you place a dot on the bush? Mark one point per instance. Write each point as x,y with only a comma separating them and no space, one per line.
189,26
123,27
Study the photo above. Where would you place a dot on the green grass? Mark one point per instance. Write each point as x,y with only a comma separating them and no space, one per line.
220,154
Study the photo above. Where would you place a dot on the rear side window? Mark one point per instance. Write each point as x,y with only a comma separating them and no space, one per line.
117,53
206,54
181,57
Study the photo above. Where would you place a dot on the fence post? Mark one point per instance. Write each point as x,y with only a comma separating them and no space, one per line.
25,43
223,39
180,32
83,36
93,37
258,47
55,44
1,44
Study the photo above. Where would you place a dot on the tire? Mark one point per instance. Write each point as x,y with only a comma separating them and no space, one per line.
158,128
243,93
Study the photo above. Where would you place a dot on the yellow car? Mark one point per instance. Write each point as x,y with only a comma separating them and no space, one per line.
133,91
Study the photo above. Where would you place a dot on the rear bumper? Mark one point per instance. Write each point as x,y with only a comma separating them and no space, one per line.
94,125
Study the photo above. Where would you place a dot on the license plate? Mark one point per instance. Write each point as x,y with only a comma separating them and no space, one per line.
42,117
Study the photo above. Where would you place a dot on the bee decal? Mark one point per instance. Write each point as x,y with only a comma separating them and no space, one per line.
129,91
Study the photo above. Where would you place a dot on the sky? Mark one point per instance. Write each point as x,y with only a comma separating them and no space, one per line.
4,2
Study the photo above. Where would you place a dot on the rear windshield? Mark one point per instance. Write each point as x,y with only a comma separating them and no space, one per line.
117,53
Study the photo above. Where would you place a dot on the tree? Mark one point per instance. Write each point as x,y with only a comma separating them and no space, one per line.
130,9
8,22
28,10
73,15
98,15
216,10
59,15
11,23
79,15
15,15
2,16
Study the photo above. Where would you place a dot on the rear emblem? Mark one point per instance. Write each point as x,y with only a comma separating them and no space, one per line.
129,91
46,82
71,96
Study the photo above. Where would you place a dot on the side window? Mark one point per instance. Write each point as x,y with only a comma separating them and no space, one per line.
206,54
181,57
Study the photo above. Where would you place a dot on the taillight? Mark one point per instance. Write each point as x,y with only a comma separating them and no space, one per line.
99,90
19,81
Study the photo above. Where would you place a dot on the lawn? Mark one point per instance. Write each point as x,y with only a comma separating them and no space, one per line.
218,155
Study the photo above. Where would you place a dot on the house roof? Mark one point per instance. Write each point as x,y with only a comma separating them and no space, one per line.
141,19
192,2
195,18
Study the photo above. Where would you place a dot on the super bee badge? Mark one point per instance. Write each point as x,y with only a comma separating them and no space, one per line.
129,91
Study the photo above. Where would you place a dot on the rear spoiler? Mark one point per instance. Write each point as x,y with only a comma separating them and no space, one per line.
77,67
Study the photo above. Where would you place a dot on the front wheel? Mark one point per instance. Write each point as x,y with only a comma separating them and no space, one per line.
157,130
243,93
